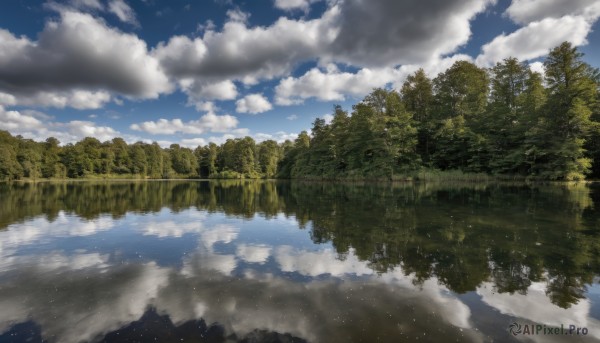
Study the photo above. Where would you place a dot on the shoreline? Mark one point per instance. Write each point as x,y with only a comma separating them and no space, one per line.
310,180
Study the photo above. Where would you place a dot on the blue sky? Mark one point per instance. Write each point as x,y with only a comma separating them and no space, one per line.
190,72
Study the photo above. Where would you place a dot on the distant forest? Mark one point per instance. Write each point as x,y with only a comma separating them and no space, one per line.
502,121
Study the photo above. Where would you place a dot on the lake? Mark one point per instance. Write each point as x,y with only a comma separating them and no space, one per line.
255,261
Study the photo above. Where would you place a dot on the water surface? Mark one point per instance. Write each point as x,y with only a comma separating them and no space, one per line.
260,261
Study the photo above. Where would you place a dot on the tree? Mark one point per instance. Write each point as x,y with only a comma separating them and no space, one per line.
51,166
121,153
504,125
183,160
566,123
461,94
154,160
10,169
138,159
29,155
268,158
417,96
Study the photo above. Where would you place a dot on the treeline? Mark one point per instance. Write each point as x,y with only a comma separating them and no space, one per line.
90,158
506,120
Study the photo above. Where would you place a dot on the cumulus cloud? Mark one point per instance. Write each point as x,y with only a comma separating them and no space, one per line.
332,85
527,11
208,122
526,44
390,32
240,52
29,125
199,91
76,59
376,33
253,104
329,86
193,142
537,67
279,136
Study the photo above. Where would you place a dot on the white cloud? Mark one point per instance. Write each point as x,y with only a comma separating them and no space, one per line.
526,44
123,11
16,122
239,52
78,99
238,15
537,67
27,124
82,129
292,117
279,137
233,134
208,122
193,142
253,103
198,91
332,85
288,5
77,61
87,4
527,11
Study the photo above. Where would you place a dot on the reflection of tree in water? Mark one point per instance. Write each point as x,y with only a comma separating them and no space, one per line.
464,235
152,327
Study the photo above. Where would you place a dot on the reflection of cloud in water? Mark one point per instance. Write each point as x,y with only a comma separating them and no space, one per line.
83,305
189,221
91,302
220,233
319,310
170,229
326,262
253,253
537,307
37,229
205,258
54,262
314,263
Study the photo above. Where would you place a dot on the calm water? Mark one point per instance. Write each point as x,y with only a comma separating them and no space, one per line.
295,262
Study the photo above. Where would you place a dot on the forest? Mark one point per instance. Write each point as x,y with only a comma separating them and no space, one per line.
505,121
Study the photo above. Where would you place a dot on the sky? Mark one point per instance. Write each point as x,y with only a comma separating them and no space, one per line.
193,72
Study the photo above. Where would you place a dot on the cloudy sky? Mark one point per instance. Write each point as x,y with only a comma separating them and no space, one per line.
190,72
